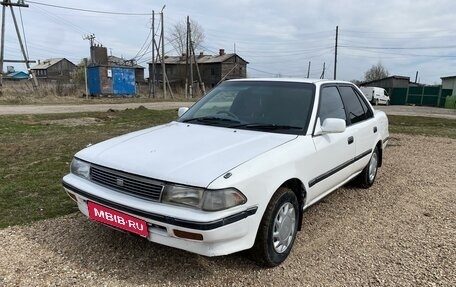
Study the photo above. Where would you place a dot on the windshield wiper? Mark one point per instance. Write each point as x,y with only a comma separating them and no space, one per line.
210,120
266,127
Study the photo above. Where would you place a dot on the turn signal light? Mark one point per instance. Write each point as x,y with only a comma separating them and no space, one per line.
188,235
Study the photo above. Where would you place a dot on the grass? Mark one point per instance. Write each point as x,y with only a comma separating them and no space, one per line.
35,152
422,126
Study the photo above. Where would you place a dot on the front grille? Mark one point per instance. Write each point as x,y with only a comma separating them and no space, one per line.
124,182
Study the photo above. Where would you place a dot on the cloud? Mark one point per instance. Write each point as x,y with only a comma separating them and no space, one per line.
276,37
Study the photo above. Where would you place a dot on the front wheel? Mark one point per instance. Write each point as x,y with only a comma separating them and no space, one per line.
278,228
367,177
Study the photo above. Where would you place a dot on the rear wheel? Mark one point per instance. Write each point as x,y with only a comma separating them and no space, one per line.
367,177
278,229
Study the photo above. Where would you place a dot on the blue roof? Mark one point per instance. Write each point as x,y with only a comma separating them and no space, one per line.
18,75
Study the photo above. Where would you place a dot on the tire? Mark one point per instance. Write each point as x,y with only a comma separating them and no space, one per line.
367,177
278,228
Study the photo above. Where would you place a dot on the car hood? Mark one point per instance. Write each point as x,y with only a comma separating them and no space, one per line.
182,153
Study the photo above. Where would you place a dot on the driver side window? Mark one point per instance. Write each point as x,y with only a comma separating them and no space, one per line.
331,105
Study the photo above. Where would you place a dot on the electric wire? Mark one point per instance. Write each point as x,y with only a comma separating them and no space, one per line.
89,10
23,33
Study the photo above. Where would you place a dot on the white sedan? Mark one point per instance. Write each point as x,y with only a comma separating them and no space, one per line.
237,170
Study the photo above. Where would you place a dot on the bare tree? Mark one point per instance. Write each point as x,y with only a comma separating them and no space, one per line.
376,72
178,36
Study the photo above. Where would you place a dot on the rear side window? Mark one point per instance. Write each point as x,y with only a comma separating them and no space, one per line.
331,105
354,108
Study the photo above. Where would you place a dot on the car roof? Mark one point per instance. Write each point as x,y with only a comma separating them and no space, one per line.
296,80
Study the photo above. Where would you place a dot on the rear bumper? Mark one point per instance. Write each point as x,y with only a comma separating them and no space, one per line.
220,236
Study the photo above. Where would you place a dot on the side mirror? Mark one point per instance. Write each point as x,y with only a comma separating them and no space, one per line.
181,111
333,125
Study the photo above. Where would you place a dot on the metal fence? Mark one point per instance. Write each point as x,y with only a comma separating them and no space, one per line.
432,96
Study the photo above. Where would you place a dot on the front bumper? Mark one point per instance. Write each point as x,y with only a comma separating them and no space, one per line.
224,234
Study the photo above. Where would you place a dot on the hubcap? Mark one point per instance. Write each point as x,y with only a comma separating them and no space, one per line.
373,167
284,228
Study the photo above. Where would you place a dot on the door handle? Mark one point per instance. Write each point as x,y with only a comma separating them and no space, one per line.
350,140
375,130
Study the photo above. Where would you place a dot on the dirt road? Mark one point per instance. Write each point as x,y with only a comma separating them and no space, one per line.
401,232
418,111
51,109
54,109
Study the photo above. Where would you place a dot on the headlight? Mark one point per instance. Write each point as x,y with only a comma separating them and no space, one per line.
183,195
80,168
209,200
215,200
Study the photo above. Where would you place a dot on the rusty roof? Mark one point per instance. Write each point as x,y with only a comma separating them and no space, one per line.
201,59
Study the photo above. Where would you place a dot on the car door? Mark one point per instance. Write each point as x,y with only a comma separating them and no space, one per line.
334,151
361,123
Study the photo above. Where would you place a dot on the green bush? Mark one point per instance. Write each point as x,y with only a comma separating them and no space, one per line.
450,102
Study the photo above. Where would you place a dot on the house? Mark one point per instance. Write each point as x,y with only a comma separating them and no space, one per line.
213,68
389,82
16,76
54,69
449,83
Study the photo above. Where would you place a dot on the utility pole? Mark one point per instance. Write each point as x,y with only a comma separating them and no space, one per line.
416,77
200,82
323,72
152,70
186,56
85,79
163,52
166,77
191,62
20,3
308,70
335,53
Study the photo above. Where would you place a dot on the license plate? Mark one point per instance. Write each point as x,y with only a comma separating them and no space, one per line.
117,219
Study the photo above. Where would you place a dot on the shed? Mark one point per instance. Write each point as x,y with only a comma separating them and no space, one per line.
17,76
110,80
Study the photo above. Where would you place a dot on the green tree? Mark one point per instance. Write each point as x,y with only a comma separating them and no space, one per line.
376,72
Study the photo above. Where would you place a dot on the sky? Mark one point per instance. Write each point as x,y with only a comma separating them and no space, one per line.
277,38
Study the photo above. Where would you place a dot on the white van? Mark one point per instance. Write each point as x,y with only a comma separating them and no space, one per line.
376,95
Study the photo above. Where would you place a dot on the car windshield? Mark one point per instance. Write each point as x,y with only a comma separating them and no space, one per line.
269,106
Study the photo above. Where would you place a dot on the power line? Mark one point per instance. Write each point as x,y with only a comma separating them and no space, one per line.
90,11
23,33
60,20
397,48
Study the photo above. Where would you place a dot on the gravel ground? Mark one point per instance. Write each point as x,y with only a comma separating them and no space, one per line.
401,232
